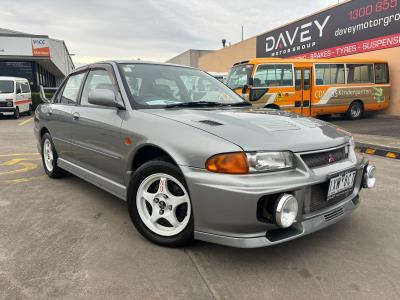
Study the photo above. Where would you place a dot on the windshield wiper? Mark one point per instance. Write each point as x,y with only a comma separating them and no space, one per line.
238,104
195,104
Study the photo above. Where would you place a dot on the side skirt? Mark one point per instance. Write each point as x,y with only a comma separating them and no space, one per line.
104,183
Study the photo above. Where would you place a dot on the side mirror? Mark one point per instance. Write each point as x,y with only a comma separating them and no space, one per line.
103,97
244,89
250,81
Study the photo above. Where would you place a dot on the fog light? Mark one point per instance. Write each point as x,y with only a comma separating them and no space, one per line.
369,177
9,104
286,210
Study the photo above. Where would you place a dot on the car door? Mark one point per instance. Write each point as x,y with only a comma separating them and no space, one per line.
18,96
97,129
26,96
58,114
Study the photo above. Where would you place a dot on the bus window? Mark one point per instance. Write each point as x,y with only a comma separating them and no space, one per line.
307,73
381,73
327,74
239,76
298,79
360,73
273,75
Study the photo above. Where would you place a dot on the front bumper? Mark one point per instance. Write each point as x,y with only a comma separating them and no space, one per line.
7,109
225,206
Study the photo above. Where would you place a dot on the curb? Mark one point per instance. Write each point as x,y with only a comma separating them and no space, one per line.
393,153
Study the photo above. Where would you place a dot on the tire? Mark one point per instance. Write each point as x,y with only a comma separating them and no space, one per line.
30,111
355,111
151,204
49,158
16,113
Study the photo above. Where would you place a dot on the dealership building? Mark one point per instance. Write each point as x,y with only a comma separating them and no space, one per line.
38,58
362,29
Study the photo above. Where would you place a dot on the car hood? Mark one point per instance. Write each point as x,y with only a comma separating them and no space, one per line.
261,129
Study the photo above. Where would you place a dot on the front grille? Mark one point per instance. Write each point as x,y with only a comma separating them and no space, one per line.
3,104
319,159
334,214
317,199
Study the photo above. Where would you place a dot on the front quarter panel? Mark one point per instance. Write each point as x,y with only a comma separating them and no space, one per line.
187,145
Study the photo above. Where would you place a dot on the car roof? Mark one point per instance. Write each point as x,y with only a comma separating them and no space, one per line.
12,78
129,62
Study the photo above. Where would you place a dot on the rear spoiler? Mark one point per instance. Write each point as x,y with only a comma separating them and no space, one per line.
43,94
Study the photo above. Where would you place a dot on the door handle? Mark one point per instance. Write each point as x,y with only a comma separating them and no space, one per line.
75,116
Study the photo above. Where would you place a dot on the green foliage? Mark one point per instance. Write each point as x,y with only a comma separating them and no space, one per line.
36,99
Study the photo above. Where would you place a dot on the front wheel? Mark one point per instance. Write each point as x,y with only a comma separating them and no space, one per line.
159,204
355,110
16,113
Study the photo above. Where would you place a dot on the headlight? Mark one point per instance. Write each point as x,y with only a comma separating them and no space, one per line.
270,161
250,162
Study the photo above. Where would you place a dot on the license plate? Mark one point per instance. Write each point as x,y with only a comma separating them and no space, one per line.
341,184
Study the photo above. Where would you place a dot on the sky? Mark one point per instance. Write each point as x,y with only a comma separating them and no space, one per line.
154,30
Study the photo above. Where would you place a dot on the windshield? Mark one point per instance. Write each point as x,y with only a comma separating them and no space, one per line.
6,86
239,76
157,86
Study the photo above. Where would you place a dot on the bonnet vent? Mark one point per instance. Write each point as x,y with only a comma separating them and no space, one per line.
210,122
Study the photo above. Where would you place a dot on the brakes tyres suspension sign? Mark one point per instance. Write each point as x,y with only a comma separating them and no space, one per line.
349,28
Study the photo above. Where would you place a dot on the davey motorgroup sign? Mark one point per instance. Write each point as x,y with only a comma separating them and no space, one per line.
352,27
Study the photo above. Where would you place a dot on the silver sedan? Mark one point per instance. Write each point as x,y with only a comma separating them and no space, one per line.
194,160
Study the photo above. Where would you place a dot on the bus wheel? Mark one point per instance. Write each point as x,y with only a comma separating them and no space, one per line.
355,111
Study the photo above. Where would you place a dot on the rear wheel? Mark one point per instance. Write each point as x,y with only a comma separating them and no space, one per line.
159,204
49,158
16,113
355,111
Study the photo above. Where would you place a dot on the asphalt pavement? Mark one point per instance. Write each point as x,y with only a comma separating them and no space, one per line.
371,124
66,239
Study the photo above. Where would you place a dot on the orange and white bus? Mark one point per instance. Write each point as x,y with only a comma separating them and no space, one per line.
313,87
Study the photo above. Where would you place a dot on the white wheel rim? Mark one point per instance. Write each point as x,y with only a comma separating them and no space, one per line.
48,155
166,206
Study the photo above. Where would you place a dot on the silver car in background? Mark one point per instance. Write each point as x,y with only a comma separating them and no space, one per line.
194,160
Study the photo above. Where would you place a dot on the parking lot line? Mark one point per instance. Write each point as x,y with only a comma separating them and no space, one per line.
18,154
25,122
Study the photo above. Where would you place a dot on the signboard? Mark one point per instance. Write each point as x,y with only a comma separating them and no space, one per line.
40,47
350,28
24,46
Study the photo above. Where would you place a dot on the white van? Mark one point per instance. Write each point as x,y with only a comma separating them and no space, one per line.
15,96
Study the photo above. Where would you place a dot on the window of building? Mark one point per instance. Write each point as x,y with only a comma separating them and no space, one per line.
381,73
360,73
328,74
273,75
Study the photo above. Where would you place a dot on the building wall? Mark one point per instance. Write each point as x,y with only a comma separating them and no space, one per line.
222,60
189,58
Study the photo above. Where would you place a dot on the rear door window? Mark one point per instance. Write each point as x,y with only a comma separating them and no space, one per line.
71,90
329,74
